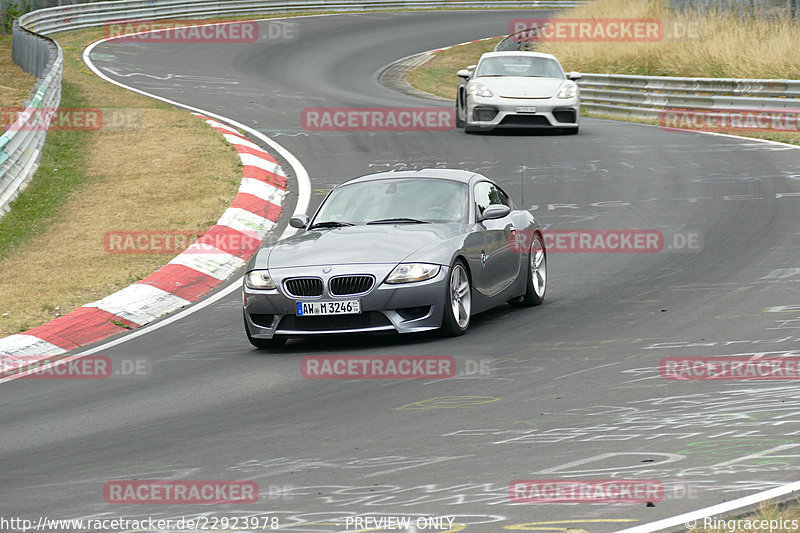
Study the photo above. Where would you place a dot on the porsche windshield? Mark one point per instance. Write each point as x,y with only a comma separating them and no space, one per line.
526,66
398,200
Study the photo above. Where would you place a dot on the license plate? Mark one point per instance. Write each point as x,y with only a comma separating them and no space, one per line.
348,307
526,109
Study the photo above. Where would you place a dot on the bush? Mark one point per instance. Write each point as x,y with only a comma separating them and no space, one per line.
12,12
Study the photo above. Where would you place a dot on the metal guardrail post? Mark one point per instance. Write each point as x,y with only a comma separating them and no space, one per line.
21,144
635,96
647,97
42,57
650,96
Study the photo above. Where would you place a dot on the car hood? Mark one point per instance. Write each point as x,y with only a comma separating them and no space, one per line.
379,243
523,87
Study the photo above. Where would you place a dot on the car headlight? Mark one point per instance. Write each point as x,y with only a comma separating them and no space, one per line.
410,272
568,90
258,279
477,88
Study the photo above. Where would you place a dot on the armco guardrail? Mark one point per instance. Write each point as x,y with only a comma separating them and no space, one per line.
20,146
522,40
55,19
647,97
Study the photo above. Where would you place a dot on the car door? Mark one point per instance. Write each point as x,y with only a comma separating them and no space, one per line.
500,261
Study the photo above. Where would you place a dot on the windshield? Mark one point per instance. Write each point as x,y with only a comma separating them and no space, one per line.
416,200
519,66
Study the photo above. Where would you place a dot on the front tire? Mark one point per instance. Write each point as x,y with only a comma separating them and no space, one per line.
458,301
263,344
536,284
459,120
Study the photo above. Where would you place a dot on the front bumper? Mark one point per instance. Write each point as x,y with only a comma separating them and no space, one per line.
385,308
498,112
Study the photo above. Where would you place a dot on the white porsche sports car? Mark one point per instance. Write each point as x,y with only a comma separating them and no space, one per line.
517,90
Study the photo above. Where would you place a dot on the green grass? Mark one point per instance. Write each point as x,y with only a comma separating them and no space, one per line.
60,172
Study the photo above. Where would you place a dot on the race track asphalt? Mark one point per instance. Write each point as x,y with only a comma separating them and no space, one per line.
567,390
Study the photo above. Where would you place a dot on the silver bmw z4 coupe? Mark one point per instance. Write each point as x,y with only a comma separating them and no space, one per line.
403,252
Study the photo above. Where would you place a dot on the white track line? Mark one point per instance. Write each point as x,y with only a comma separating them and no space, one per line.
728,135
303,199
303,189
691,519
768,141
304,195
694,519
303,182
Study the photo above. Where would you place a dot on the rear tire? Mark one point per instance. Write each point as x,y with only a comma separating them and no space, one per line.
458,301
263,344
536,284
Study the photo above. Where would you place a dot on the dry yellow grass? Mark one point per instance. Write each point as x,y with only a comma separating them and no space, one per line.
172,173
718,46
15,83
438,76
721,46
185,187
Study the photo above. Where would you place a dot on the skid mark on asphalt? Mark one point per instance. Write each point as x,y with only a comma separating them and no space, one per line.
456,528
259,468
448,402
566,525
493,368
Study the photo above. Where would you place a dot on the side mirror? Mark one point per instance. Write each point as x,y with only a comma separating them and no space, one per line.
299,221
464,73
495,211
574,76
471,67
